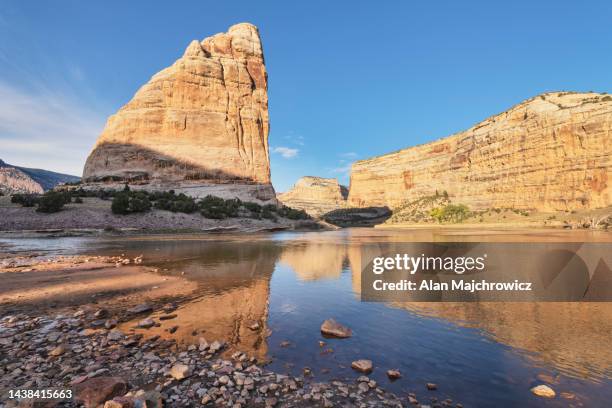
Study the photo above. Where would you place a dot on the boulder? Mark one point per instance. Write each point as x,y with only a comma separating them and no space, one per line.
363,366
334,329
96,391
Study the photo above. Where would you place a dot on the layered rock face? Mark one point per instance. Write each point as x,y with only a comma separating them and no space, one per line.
13,180
203,120
315,195
552,152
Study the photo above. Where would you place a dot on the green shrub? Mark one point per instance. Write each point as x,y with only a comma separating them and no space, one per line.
292,213
450,213
270,207
218,208
232,206
121,204
175,203
78,200
52,201
127,202
139,202
253,207
25,200
268,214
66,195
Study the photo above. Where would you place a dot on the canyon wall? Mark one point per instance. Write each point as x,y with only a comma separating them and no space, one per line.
202,122
552,152
13,180
315,195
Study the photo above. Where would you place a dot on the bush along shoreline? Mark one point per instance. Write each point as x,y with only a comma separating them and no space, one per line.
126,202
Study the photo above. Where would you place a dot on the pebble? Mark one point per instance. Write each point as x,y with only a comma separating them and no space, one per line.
58,351
146,323
394,374
142,308
180,371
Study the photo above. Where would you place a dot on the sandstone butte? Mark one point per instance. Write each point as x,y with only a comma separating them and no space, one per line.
199,126
315,195
552,152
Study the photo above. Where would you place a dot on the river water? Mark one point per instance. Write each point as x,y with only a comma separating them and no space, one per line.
479,353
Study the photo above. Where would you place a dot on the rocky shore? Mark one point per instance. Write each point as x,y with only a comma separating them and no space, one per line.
86,353
105,349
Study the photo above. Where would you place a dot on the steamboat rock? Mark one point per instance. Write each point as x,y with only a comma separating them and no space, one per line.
552,153
315,195
199,126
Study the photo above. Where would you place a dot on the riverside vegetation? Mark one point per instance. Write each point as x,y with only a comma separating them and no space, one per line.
439,208
129,202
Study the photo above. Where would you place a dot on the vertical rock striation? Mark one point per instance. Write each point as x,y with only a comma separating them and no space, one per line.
203,121
551,152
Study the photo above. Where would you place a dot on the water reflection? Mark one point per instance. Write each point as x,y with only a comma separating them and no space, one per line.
259,291
572,337
234,279
314,260
231,302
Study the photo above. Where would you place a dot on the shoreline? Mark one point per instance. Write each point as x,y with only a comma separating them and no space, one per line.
86,331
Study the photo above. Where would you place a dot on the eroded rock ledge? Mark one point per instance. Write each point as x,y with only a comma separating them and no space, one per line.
552,152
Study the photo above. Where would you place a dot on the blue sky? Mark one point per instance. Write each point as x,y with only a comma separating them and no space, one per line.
348,79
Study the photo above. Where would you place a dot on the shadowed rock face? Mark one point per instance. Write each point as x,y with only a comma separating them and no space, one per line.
552,152
203,119
315,195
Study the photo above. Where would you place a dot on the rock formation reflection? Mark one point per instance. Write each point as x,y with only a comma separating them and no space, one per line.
573,337
314,260
231,303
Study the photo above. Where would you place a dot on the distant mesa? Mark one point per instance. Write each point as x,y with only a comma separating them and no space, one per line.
315,195
15,179
552,152
200,123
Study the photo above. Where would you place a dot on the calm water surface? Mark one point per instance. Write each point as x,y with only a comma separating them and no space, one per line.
481,354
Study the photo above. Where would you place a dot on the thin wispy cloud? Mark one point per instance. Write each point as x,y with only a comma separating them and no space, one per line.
343,169
286,152
294,138
349,155
41,128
